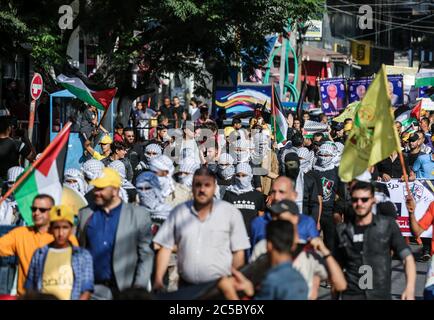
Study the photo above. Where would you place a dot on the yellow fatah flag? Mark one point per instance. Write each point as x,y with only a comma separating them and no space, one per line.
348,113
374,136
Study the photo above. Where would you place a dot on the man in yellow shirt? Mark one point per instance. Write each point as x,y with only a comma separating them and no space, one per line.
59,268
23,241
105,144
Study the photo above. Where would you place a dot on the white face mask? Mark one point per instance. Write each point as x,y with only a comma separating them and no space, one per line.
325,161
244,182
166,186
150,157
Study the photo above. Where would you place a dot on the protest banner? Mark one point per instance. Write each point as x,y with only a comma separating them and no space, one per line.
423,193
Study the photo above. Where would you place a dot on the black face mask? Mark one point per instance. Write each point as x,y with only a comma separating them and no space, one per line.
292,170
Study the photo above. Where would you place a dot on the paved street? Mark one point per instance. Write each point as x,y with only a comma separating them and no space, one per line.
398,277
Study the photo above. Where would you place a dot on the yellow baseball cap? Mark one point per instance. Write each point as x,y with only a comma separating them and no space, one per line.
228,131
109,178
62,212
106,140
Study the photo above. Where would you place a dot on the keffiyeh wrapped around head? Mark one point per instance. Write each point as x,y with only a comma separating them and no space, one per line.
152,148
242,184
13,174
92,169
226,158
74,174
163,163
119,166
325,159
188,168
306,158
242,150
225,167
150,195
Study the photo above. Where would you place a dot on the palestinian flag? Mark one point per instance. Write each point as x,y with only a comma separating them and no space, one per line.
407,116
415,112
424,79
45,175
279,126
86,91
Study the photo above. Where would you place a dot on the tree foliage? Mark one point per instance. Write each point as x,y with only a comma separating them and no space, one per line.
159,36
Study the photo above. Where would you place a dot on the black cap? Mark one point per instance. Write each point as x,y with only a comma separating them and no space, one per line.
236,120
284,206
414,137
338,126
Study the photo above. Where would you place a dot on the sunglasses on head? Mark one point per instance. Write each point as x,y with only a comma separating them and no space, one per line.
364,199
43,210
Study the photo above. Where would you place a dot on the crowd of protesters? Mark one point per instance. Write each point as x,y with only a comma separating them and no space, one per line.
187,203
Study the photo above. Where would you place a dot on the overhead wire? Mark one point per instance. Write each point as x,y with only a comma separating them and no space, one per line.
407,26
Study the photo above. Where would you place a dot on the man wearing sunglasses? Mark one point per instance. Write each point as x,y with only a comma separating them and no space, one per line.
24,241
365,244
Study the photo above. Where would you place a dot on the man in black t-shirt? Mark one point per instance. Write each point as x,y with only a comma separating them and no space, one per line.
244,197
11,149
325,170
365,244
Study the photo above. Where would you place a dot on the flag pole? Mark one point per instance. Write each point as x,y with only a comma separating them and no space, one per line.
404,171
102,119
273,106
33,165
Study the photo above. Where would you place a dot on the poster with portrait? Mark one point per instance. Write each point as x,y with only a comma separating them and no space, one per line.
396,88
357,88
333,95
